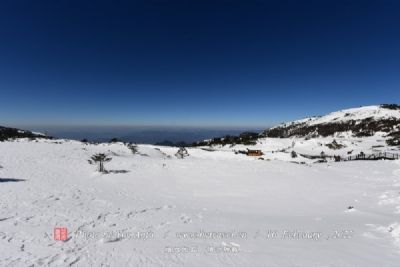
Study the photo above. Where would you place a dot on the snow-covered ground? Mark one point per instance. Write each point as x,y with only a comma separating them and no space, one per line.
212,208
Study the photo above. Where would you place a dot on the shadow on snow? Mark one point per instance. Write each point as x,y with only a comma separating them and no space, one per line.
7,180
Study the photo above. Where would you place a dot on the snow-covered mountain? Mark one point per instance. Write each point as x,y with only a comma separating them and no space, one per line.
12,133
363,121
367,121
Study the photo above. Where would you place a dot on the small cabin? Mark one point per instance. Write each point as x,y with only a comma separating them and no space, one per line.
254,153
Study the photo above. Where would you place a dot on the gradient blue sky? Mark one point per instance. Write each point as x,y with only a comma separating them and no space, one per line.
194,63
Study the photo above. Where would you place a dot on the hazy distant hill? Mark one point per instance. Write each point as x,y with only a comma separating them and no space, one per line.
10,133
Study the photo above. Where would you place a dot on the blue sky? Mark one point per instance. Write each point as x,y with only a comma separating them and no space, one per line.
194,63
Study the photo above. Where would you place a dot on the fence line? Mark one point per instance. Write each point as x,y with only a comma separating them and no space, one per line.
374,156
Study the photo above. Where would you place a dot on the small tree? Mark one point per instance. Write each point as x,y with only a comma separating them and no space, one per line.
99,158
294,154
133,148
182,153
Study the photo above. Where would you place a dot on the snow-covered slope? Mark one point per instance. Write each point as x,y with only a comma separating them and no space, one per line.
363,121
357,114
212,208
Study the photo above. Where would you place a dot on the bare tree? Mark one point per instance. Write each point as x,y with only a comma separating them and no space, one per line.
100,158
133,148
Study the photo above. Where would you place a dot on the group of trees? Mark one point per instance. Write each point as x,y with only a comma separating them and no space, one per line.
390,106
335,145
394,139
170,143
100,159
112,140
359,128
246,138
